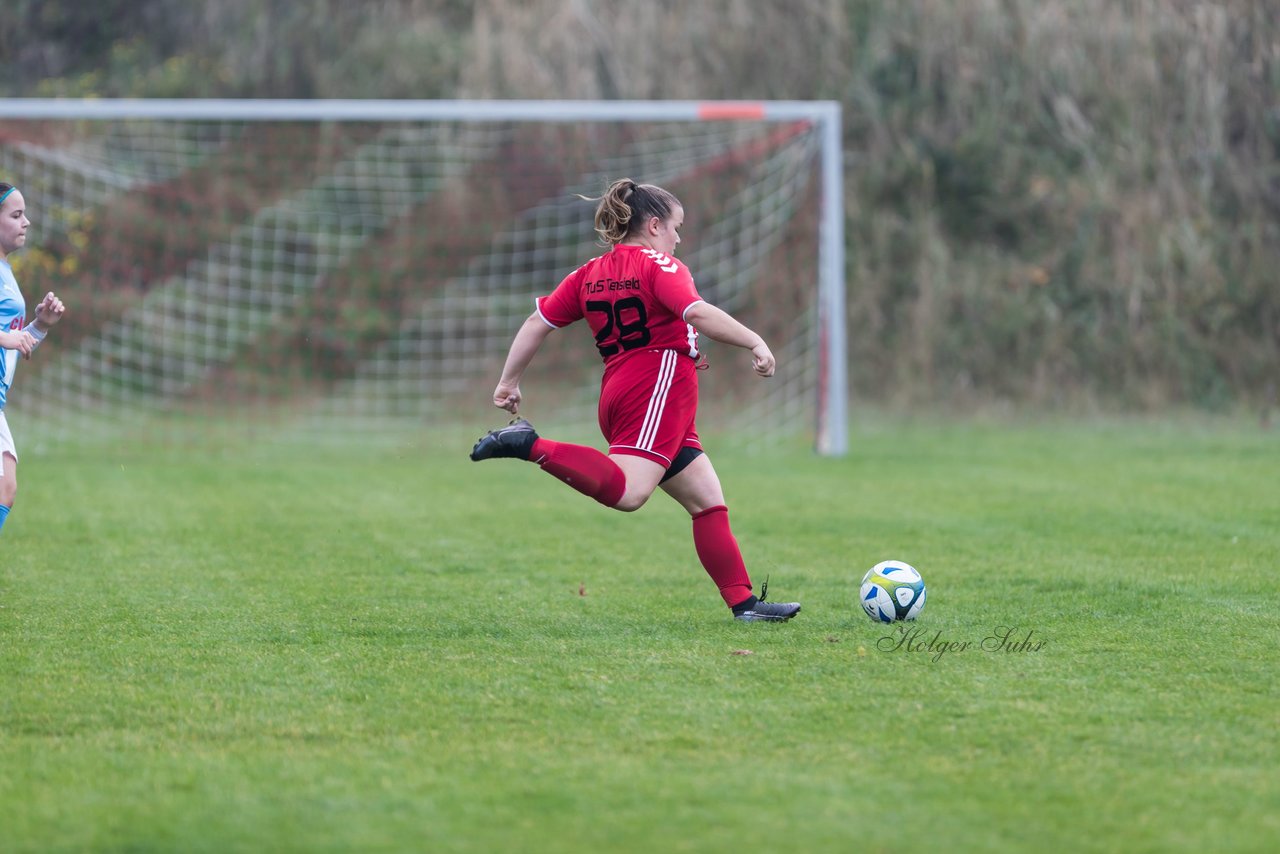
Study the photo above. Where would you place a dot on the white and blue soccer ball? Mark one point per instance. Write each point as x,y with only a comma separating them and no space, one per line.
892,590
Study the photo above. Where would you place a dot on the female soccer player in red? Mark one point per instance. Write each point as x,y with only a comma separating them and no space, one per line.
645,313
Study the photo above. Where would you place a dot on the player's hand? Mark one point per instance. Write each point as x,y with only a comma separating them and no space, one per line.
20,340
762,360
50,309
507,397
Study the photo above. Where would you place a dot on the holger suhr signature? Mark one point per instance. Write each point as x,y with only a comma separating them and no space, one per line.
917,639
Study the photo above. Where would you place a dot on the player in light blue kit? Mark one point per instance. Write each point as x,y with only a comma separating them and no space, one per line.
17,338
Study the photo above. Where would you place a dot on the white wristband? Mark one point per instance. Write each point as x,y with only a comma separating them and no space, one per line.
35,333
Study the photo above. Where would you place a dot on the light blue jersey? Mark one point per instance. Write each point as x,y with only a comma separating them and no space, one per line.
13,316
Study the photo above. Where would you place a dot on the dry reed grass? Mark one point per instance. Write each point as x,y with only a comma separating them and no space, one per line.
1072,201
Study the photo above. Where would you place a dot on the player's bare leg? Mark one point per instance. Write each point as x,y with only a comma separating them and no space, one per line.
643,476
8,485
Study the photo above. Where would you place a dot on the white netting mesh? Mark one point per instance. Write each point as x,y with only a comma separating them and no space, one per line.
338,276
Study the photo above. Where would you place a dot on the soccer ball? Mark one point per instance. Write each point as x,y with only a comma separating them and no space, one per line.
892,590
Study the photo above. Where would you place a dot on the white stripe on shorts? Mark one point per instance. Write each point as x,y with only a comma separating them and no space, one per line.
658,400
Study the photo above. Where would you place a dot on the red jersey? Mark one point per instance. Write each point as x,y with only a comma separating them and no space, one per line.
633,298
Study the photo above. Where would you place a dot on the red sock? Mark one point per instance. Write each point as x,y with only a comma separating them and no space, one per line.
584,468
718,550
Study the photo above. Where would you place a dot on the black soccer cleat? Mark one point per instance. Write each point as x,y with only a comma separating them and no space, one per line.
774,612
515,441
755,610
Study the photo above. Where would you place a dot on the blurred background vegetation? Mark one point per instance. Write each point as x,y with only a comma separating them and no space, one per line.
1067,203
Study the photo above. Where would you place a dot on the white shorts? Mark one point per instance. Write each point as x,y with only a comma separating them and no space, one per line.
6,442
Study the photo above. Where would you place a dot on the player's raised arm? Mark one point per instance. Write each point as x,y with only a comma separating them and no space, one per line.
18,339
524,347
49,312
718,325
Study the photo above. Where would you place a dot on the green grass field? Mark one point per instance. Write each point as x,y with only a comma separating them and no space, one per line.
393,649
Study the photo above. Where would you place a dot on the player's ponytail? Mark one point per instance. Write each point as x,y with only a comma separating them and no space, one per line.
626,206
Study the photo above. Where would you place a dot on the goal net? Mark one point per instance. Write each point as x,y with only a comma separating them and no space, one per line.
341,267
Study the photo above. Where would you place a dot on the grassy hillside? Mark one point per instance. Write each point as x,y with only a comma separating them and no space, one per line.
1068,203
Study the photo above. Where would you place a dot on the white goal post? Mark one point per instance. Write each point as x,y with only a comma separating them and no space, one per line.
371,259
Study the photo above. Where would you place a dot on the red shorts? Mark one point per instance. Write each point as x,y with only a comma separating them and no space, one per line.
647,405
